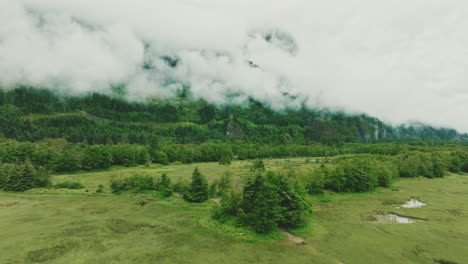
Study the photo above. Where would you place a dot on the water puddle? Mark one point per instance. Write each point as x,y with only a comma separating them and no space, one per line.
413,203
386,218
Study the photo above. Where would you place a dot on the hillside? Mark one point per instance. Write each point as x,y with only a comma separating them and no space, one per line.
33,114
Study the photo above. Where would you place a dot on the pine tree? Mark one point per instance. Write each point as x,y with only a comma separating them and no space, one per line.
198,190
165,185
272,200
258,165
161,157
224,183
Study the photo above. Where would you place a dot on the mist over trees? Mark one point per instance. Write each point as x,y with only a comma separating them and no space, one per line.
29,114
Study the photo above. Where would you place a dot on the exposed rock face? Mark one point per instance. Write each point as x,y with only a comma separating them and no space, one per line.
234,130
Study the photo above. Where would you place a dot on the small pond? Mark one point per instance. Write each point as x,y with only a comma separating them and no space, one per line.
386,218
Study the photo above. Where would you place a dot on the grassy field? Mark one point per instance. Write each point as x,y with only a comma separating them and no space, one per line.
69,226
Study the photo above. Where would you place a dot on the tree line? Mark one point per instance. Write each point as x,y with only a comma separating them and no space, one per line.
30,114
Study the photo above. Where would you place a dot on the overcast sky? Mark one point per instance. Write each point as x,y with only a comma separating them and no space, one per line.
398,60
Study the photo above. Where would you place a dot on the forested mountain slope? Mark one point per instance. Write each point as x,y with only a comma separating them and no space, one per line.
33,114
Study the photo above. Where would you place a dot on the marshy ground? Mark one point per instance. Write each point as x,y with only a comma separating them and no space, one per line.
71,226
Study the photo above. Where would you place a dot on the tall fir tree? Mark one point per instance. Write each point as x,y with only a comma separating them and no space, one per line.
165,185
198,190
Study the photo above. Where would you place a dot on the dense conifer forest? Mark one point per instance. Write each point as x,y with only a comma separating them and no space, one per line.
29,114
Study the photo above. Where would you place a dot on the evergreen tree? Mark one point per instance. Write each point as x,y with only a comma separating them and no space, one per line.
224,183
67,161
225,159
273,200
165,185
258,165
154,146
161,157
198,190
97,157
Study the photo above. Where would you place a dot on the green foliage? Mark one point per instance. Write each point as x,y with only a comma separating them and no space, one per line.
273,200
69,185
97,157
225,183
134,183
413,164
258,165
21,177
361,174
198,189
213,189
126,155
315,181
35,114
161,157
165,185
180,186
100,188
67,161
267,201
458,161
225,159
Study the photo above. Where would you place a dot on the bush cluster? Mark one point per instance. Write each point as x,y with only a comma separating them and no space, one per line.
69,185
22,177
269,200
135,183
429,165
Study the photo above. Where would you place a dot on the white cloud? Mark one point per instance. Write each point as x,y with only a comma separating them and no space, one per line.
398,60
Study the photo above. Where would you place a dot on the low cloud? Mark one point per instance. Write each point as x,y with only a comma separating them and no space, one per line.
398,60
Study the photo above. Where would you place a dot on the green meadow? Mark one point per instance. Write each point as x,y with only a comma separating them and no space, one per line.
75,226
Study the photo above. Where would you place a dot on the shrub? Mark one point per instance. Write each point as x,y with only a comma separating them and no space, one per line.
161,157
465,166
165,185
315,181
67,161
358,175
69,185
224,183
258,165
225,159
413,164
97,157
229,206
100,188
213,189
22,176
134,183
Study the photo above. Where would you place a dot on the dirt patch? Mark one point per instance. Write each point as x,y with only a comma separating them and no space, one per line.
295,239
